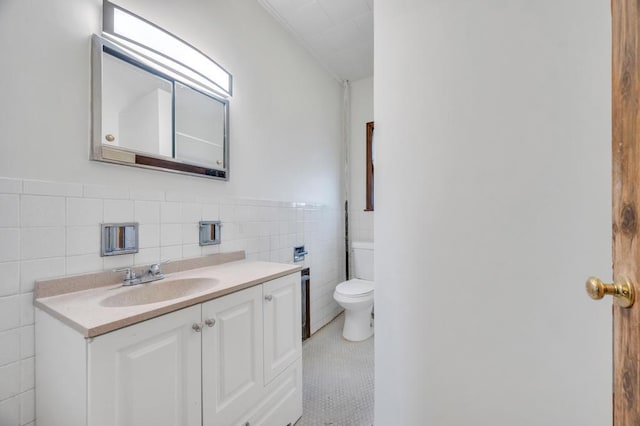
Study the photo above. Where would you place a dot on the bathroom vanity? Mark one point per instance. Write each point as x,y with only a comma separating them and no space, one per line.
214,345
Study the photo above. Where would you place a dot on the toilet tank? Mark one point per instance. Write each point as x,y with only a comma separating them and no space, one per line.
363,260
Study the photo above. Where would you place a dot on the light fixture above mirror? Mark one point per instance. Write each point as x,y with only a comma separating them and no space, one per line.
158,45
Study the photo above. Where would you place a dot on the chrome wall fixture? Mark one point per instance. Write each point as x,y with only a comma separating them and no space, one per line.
210,232
118,238
299,253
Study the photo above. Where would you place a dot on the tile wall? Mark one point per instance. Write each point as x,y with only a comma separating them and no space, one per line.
50,229
360,228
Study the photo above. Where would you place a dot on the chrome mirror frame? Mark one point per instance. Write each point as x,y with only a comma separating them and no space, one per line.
100,152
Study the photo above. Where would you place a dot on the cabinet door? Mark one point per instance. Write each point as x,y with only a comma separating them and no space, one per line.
232,370
147,373
282,324
283,403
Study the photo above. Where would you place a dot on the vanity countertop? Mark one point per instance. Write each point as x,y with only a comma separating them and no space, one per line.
84,310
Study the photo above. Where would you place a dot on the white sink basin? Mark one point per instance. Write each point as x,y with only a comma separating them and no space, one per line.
159,291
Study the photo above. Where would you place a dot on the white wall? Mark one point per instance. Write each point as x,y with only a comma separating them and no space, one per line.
284,105
286,146
361,109
492,207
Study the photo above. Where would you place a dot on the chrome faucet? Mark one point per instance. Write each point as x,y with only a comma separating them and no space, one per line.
152,274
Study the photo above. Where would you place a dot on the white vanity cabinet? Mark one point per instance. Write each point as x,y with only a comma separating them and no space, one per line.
253,334
147,373
232,347
233,360
282,330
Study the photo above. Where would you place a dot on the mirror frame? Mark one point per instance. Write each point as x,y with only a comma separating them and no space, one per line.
123,156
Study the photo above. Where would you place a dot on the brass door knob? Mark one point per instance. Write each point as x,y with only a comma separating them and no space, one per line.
621,290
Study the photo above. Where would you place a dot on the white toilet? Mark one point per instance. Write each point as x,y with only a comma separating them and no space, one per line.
356,295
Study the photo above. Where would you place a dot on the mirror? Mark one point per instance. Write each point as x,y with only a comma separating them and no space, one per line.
145,116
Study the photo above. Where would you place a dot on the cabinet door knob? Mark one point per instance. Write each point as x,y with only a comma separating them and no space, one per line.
268,298
197,327
210,322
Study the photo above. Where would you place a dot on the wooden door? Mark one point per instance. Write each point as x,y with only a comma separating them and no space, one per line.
282,317
626,205
232,371
147,373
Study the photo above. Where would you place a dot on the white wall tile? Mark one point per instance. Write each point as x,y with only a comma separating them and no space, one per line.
147,212
245,213
27,312
42,242
84,263
191,212
83,240
206,250
149,236
190,233
9,346
38,210
255,245
147,256
9,278
27,341
27,407
191,250
210,211
228,212
274,242
10,411
229,231
10,246
9,210
233,245
269,212
118,211
147,195
168,230
171,252
84,211
32,270
9,380
264,229
9,312
107,192
27,374
171,213
61,189
184,197
170,234
10,186
117,262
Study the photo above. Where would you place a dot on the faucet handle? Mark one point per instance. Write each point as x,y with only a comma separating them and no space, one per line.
129,275
154,268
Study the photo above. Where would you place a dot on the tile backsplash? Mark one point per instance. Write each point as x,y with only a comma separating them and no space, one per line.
51,229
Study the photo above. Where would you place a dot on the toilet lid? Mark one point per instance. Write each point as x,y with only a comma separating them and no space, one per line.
355,287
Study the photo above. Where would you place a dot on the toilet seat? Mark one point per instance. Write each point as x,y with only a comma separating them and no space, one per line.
355,288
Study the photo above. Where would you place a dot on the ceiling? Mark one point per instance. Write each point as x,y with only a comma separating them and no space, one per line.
339,33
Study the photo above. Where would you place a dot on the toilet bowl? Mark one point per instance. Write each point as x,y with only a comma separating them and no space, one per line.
356,295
